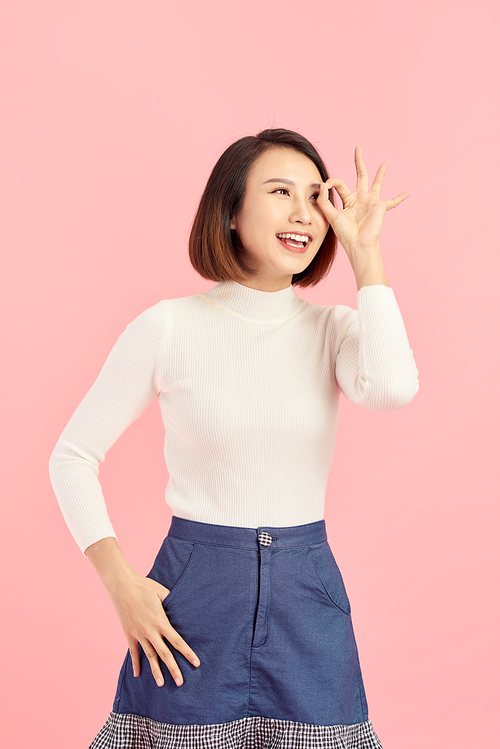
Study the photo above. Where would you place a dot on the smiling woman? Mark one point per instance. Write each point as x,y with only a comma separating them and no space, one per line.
268,213
245,207
248,376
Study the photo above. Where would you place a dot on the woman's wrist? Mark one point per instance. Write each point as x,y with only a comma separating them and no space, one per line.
110,564
368,267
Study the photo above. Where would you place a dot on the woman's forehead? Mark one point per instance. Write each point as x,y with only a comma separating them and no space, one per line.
284,163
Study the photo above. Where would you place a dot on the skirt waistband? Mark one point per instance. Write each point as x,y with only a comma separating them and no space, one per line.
248,538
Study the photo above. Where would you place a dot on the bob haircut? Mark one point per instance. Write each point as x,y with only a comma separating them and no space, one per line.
214,248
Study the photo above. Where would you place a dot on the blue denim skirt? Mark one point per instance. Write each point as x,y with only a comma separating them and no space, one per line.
267,613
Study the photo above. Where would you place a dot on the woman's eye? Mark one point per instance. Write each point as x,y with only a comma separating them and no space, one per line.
285,190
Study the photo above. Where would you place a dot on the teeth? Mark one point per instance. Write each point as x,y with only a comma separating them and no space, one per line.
296,237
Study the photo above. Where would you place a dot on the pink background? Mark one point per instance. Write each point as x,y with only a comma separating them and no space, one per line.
114,114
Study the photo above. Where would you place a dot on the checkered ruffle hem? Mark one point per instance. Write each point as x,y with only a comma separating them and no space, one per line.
128,731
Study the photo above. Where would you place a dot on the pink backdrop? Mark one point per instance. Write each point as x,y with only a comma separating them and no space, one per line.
114,113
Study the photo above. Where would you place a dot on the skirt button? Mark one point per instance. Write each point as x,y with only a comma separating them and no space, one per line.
265,539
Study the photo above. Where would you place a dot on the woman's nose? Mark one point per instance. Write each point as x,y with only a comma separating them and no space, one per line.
301,212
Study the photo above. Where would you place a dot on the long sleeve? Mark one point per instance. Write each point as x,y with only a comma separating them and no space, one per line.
132,375
374,364
244,382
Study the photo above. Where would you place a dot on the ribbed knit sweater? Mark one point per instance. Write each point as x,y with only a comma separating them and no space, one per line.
248,384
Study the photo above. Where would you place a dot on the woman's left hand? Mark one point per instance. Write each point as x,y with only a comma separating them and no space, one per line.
359,224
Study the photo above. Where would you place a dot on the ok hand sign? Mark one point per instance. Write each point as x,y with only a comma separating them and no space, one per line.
359,223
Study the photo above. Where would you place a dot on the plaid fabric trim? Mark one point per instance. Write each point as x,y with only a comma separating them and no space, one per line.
127,731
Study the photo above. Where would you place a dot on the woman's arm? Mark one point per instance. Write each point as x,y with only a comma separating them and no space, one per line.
374,364
132,376
369,268
110,564
373,361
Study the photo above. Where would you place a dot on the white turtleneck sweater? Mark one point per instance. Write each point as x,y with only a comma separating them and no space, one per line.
248,384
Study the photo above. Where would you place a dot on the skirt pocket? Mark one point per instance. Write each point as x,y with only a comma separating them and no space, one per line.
172,564
328,575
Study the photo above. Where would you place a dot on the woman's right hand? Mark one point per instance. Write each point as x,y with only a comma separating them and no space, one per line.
139,604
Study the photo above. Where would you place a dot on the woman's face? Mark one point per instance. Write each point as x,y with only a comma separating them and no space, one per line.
280,198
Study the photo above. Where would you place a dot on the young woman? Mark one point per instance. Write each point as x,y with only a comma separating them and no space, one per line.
241,633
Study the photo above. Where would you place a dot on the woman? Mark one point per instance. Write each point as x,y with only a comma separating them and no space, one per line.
241,633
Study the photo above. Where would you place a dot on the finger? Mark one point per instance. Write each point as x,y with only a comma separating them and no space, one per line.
169,660
324,202
377,182
362,175
152,656
339,185
396,201
135,657
179,644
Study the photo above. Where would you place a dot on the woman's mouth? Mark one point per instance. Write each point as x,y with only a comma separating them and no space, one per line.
294,242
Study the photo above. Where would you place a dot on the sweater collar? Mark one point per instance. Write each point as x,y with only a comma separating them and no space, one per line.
253,304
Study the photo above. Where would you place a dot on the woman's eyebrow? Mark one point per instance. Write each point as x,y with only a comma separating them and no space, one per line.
316,185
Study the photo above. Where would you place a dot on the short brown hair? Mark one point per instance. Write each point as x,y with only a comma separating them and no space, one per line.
214,249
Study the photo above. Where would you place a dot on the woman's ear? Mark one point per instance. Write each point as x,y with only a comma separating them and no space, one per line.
233,223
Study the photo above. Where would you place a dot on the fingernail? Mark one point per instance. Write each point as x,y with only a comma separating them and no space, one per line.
159,682
178,680
195,662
